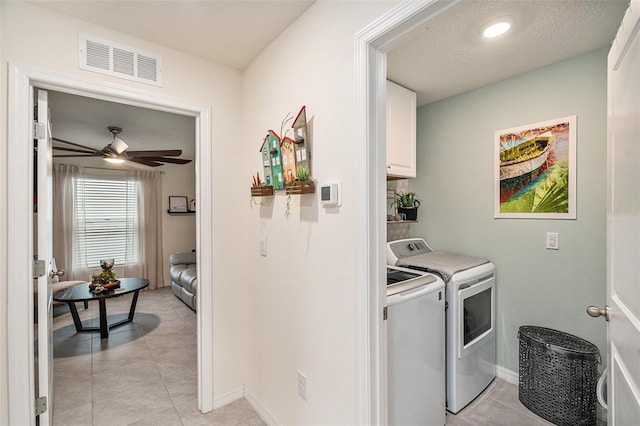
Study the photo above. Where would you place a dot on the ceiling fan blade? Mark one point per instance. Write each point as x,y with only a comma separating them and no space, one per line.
159,153
59,148
145,161
72,155
88,148
166,160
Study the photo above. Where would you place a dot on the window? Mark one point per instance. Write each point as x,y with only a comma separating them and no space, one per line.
106,226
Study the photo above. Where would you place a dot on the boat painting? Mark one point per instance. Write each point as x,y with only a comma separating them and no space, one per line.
535,170
526,156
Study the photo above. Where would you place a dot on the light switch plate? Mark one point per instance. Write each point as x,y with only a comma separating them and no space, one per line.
263,246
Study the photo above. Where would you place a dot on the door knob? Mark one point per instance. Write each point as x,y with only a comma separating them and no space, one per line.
59,273
596,312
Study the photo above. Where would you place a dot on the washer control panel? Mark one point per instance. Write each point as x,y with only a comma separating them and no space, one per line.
400,249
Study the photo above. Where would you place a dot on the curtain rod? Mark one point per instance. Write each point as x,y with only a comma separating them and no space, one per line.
162,172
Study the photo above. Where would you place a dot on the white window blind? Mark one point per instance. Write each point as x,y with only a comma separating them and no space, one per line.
106,211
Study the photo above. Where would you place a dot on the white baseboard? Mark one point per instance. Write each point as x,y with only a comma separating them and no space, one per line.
243,392
262,411
507,375
228,397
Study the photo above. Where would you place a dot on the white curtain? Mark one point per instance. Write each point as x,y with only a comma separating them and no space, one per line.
145,192
143,249
67,222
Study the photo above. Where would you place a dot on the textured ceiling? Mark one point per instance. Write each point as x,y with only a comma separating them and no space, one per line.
83,120
448,56
445,57
230,32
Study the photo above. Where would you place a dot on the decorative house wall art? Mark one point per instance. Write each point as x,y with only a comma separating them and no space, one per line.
300,136
273,142
287,148
266,161
286,159
535,170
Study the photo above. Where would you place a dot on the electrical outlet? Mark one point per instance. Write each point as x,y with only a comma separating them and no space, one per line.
302,385
552,241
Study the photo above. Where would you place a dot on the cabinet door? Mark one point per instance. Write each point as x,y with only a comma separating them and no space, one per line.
401,132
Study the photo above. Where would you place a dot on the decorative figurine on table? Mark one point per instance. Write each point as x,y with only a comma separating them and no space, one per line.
107,276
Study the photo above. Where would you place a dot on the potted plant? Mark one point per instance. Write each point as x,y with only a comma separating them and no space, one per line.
303,184
408,205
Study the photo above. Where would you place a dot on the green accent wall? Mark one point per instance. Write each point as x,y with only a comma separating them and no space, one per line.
455,150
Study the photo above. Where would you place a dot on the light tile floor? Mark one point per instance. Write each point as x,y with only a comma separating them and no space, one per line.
145,374
498,405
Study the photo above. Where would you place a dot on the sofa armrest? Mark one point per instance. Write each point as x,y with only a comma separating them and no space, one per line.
182,258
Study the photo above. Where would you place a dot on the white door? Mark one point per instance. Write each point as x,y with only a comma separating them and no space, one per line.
44,250
623,222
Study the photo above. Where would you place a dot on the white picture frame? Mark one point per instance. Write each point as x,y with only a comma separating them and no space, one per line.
178,203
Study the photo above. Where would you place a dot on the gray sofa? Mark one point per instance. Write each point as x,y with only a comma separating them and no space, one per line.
184,277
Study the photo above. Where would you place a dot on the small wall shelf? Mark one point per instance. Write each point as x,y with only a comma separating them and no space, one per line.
262,191
393,222
297,188
188,212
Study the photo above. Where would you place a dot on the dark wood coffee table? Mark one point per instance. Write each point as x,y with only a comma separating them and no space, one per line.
81,293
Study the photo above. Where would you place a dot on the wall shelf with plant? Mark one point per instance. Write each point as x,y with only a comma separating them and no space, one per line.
303,184
408,206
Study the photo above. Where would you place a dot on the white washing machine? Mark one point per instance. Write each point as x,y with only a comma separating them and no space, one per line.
470,315
415,348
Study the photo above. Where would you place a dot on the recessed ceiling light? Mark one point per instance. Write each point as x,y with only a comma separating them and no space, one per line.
497,29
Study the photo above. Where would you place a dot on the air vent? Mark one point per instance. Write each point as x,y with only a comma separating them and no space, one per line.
106,57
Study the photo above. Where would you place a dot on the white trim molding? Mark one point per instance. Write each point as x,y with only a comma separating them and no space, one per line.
507,375
371,45
260,408
19,165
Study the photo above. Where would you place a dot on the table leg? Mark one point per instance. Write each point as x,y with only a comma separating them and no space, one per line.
75,316
134,301
104,327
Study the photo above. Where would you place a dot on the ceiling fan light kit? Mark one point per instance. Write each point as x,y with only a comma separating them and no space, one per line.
116,152
117,145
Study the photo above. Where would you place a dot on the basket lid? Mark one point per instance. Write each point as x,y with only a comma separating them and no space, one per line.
558,339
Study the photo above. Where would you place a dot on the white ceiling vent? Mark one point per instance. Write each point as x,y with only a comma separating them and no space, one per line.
114,59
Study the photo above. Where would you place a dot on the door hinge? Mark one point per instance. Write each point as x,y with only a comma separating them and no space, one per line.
39,130
39,268
384,313
41,405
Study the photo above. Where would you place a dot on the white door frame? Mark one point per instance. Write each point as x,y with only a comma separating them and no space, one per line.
22,80
390,30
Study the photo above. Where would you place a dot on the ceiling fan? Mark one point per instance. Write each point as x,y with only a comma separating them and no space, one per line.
116,152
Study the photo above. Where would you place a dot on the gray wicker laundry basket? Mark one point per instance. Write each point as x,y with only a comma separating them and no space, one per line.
558,376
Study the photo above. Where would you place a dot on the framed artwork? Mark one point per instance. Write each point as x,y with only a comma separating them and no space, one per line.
178,203
535,170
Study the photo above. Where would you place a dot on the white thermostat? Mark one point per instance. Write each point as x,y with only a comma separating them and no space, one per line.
331,194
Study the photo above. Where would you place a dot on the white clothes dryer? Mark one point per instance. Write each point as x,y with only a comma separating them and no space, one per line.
470,315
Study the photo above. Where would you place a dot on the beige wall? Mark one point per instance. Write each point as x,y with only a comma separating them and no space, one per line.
178,231
37,37
295,309
304,292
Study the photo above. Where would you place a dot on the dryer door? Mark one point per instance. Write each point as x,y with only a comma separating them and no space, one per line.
475,315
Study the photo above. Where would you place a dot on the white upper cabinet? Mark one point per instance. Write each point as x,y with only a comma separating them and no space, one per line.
401,132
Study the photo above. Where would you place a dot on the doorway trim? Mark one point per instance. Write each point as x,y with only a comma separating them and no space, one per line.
20,337
372,44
